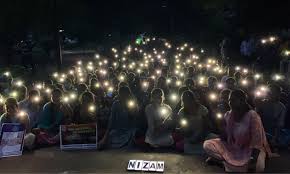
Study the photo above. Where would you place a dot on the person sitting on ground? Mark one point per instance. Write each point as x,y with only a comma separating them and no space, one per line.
212,84
161,83
178,105
82,87
85,112
272,113
32,106
243,136
237,76
54,114
231,83
122,123
223,104
159,118
192,124
14,115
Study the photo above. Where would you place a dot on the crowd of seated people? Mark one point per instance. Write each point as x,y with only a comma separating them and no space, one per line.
233,117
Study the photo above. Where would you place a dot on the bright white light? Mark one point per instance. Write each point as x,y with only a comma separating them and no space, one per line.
244,82
21,114
173,97
257,76
110,89
183,122
7,73
220,86
131,104
19,83
97,56
36,99
219,115
213,97
92,108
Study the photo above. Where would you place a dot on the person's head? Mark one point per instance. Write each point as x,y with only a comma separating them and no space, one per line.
150,84
224,95
122,76
157,96
68,84
274,92
231,83
251,81
173,80
212,82
165,71
56,96
122,84
59,86
188,100
237,101
190,71
238,76
182,89
190,83
87,98
5,81
48,82
93,82
11,106
34,96
161,82
22,93
124,93
82,87
131,77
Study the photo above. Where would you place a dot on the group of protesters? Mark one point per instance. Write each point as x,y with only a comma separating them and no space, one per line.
155,96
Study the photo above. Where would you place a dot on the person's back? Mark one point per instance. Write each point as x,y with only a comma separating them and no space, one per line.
157,134
272,115
272,111
33,111
197,124
120,118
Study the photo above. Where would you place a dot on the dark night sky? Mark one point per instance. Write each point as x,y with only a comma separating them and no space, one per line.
91,19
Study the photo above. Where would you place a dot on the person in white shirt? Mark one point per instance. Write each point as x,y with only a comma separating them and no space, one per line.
159,118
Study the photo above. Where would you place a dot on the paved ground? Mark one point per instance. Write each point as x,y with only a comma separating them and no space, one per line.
52,160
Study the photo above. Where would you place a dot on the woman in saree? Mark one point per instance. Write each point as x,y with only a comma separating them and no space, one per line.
243,137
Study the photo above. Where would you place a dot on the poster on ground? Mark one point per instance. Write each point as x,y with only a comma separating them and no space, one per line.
11,139
81,136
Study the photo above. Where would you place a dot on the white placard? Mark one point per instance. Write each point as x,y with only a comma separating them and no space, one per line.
11,139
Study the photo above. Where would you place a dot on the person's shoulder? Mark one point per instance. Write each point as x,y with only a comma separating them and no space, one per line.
254,117
149,106
47,105
181,112
281,105
2,116
167,106
116,102
23,103
253,114
227,115
203,108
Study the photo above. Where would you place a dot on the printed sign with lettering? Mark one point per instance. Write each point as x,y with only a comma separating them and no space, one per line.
151,166
82,136
12,139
